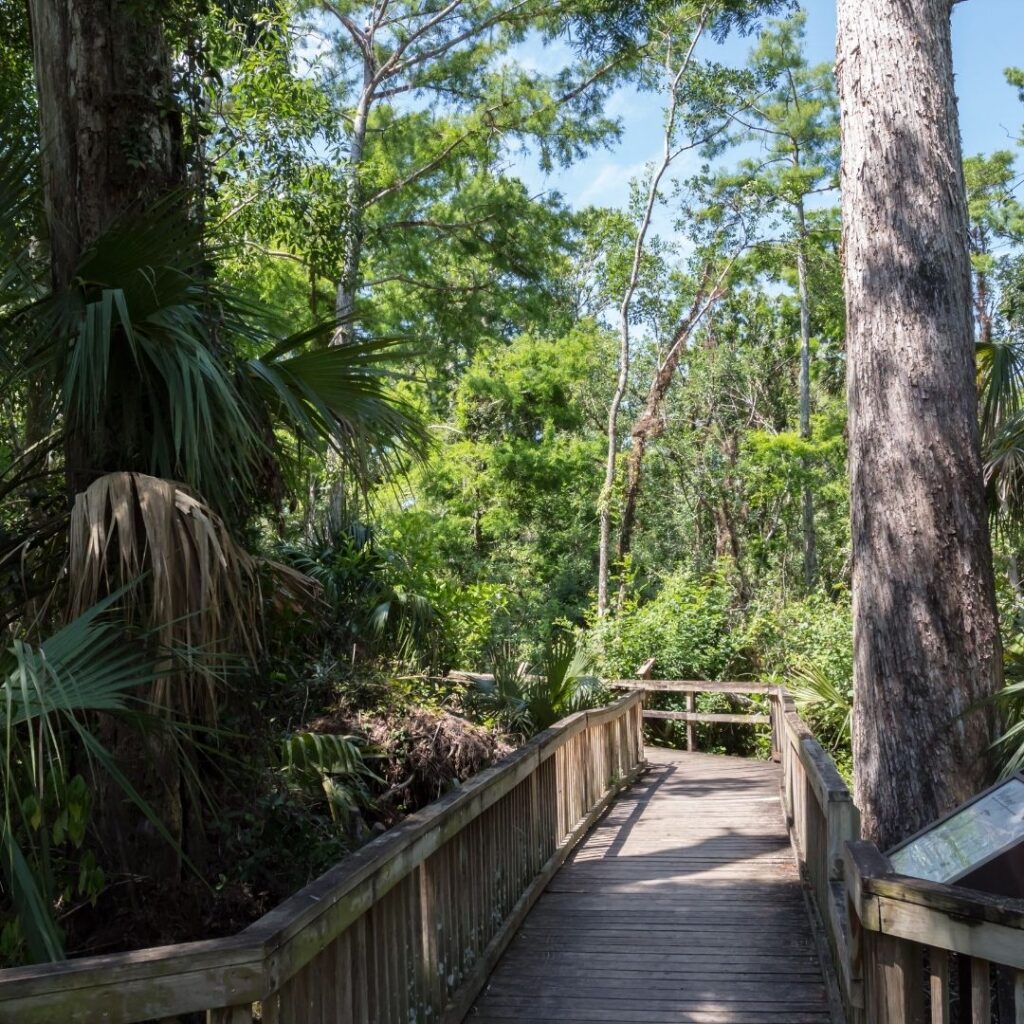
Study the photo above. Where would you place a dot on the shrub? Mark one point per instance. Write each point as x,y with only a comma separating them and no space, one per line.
689,627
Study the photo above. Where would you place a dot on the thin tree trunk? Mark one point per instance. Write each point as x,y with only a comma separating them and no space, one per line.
810,539
984,313
649,424
926,640
348,282
604,503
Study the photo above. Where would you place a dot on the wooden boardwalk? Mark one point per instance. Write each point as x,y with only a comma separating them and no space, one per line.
684,904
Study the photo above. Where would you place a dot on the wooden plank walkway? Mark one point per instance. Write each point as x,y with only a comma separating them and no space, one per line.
684,904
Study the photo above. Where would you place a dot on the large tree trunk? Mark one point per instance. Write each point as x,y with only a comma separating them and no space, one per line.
110,137
926,641
110,130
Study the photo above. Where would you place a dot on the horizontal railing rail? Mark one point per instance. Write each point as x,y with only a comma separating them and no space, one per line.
932,952
690,688
406,929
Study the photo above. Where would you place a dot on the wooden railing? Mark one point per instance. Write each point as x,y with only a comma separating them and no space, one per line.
690,688
905,951
407,929
932,952
822,819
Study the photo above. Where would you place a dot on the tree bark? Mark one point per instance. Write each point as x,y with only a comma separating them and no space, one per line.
926,640
110,144
649,425
348,282
110,131
604,503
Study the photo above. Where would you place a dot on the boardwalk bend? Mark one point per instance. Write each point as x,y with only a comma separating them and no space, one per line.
588,879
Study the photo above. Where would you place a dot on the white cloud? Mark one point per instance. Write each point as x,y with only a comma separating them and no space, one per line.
605,184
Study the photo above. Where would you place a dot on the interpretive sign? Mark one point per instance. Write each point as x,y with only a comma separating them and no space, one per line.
974,834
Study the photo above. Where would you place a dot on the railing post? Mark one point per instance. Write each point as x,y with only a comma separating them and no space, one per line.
893,980
843,824
230,1015
691,706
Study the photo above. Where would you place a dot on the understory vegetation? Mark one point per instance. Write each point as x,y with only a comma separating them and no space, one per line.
338,456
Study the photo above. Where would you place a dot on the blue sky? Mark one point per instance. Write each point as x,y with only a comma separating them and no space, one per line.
988,36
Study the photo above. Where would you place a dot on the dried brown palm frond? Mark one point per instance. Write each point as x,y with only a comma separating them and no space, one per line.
191,586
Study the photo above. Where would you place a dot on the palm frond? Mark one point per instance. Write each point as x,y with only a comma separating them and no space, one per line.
1000,384
344,397
1010,744
48,694
162,370
525,700
824,701
199,590
335,764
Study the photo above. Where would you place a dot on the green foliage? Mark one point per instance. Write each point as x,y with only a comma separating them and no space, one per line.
525,699
688,626
390,593
337,765
506,501
807,645
781,638
50,695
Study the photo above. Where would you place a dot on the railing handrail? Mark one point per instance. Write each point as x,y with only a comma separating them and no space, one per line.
871,876
256,961
693,685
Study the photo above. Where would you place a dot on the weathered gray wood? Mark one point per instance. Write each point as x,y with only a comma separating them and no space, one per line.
283,952
691,707
938,985
682,904
893,981
981,992
477,978
690,686
702,716
230,1015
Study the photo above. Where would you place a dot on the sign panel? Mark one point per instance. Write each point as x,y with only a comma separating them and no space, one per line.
975,833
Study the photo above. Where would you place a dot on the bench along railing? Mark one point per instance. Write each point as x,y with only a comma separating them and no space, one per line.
406,929
691,716
931,952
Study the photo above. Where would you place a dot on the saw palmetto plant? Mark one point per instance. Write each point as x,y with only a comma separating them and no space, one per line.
50,696
525,698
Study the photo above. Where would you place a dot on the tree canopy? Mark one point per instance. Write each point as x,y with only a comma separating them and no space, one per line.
323,376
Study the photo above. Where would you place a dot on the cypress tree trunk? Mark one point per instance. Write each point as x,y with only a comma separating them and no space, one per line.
109,128
810,539
110,141
110,135
926,645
